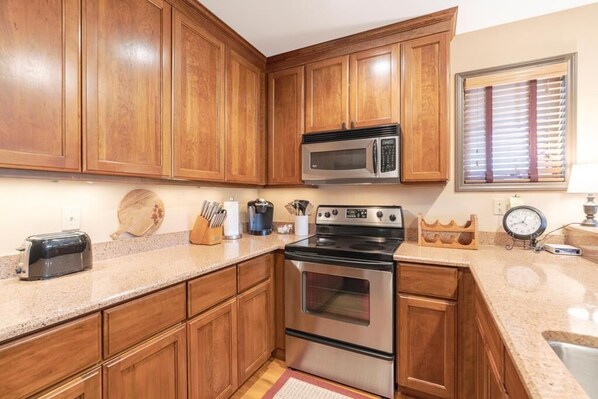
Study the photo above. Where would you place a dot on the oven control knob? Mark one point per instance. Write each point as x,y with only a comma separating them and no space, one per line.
379,214
392,218
335,212
327,214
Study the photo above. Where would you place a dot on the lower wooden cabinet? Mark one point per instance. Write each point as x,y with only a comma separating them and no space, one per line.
255,330
212,352
427,344
85,386
155,369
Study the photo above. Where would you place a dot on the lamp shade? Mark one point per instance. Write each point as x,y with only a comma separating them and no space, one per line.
584,179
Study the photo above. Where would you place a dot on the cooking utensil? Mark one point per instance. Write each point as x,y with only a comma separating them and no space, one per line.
289,207
140,213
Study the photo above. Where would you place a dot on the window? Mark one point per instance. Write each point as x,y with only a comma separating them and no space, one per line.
515,126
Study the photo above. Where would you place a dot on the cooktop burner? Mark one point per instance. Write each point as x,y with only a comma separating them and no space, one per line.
348,246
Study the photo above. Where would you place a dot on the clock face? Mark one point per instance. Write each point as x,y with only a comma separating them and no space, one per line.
524,222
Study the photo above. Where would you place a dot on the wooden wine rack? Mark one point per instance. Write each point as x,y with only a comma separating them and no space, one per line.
449,235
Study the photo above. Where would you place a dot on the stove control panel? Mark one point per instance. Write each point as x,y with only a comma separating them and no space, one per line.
380,216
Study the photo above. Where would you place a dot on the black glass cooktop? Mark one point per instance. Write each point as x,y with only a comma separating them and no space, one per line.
375,248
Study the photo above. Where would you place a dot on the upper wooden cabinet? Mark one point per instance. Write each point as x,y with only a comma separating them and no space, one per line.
327,94
198,147
127,94
285,125
40,84
245,139
374,83
424,108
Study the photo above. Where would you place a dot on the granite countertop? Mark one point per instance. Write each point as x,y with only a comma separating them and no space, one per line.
28,306
532,296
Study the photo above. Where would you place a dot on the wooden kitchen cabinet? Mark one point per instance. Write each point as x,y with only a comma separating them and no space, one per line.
255,320
127,87
44,359
375,89
85,386
245,113
198,108
40,84
427,345
327,95
285,125
155,369
212,352
424,108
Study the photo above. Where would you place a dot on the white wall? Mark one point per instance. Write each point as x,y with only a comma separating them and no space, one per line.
35,206
574,30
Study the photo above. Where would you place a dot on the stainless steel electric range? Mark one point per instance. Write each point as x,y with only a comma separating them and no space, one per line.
340,297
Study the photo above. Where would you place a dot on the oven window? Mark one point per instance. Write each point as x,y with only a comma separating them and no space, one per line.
337,297
339,159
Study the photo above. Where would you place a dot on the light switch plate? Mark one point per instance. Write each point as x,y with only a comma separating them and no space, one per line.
71,218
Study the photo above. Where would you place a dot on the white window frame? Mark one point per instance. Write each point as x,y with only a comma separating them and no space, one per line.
570,129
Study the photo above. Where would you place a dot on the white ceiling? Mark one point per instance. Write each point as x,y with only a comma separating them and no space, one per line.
277,26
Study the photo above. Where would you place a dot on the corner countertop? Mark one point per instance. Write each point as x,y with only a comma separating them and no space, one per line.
27,306
532,297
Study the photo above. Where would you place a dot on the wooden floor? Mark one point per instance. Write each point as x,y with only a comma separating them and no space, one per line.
259,383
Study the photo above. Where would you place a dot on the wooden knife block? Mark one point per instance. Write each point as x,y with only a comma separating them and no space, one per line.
203,234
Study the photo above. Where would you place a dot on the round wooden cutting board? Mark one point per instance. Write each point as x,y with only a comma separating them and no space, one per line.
140,213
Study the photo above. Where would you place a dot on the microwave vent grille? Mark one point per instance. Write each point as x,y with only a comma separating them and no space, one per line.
352,134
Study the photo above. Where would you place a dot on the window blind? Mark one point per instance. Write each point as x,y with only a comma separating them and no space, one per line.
514,127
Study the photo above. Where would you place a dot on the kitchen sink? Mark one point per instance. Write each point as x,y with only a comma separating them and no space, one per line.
582,362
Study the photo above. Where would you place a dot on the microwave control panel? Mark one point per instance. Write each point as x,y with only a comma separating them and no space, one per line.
389,155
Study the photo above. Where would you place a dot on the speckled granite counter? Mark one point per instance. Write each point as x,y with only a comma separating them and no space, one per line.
531,297
26,306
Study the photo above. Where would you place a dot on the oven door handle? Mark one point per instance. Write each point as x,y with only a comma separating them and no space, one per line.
338,261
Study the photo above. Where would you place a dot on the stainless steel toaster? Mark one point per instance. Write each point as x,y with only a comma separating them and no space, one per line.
55,254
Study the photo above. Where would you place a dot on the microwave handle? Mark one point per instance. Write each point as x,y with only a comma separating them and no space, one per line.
375,156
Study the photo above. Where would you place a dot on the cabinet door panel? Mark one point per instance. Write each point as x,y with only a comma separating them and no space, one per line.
198,102
155,369
40,84
427,340
127,97
245,140
213,352
424,105
86,386
285,125
375,86
255,319
327,94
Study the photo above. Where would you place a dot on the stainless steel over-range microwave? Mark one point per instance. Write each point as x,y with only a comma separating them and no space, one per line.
364,155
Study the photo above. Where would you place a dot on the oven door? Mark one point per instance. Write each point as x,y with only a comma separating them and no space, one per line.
345,159
341,300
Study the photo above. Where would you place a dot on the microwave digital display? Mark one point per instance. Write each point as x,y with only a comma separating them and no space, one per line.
356,213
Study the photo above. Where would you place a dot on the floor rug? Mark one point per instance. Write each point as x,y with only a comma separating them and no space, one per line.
295,385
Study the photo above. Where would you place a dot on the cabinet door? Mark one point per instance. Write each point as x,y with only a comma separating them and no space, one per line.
327,94
488,381
40,84
424,108
86,386
198,147
155,369
375,88
429,367
255,319
285,125
245,139
213,352
127,86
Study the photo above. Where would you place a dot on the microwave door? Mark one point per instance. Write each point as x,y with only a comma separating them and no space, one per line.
348,159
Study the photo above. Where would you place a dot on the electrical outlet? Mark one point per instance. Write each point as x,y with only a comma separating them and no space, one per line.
500,206
71,218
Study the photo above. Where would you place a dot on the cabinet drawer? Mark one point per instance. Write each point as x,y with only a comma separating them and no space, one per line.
132,322
254,271
34,363
207,291
428,280
490,335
